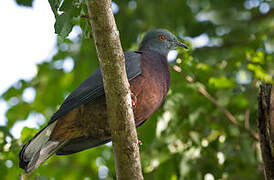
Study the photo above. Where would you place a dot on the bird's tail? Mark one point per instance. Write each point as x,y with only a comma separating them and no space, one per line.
38,149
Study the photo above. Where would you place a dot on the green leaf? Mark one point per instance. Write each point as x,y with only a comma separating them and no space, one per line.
63,24
66,5
221,82
54,4
64,19
260,73
86,28
25,2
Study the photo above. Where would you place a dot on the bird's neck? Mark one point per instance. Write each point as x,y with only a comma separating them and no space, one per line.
158,64
158,58
161,50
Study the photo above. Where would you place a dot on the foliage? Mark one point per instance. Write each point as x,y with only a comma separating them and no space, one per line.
192,136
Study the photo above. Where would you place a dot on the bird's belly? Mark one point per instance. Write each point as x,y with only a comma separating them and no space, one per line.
148,100
90,120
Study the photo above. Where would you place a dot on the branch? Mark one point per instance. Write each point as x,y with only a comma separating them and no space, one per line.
266,128
120,114
227,113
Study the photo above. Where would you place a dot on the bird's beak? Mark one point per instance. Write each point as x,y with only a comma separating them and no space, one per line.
179,44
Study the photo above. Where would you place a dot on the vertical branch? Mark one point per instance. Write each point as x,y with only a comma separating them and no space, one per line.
266,128
120,114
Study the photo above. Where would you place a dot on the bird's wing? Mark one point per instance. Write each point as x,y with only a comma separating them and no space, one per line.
92,87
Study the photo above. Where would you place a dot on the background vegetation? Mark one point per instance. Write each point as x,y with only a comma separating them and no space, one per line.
206,129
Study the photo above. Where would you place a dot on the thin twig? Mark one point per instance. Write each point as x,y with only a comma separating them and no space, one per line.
214,101
227,113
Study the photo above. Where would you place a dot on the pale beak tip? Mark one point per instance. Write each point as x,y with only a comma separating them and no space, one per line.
182,45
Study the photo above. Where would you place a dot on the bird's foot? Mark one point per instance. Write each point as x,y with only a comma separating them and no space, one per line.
133,100
140,142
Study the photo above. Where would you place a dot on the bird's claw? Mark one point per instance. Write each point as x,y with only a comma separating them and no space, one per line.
140,142
133,100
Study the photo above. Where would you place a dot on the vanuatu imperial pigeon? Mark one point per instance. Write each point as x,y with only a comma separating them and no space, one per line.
81,121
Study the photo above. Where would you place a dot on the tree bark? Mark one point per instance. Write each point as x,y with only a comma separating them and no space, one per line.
118,98
266,128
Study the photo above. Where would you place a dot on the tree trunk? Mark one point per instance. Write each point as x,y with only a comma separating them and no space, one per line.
266,128
118,98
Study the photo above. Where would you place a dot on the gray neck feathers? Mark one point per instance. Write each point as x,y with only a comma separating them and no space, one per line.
154,46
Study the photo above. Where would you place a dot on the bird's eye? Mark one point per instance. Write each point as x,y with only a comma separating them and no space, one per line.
161,37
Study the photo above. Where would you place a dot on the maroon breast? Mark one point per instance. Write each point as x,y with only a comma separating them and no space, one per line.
151,86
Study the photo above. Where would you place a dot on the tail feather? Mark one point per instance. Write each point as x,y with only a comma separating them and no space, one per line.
38,149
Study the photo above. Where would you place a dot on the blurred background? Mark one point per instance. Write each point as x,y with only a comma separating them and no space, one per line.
205,130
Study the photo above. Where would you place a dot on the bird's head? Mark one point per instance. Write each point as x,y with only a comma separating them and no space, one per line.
161,41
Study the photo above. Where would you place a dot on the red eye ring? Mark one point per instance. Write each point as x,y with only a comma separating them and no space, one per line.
161,37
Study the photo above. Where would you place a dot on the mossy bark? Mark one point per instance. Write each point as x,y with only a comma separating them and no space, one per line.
120,114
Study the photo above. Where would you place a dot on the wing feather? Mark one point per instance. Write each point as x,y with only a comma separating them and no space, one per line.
92,87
